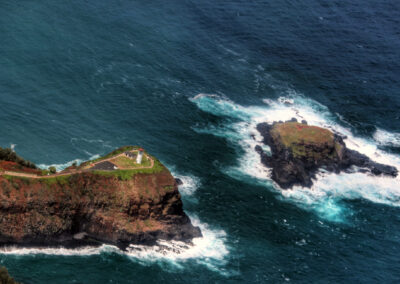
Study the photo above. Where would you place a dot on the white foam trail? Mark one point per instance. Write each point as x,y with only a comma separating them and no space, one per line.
61,167
386,138
209,250
82,251
240,129
190,184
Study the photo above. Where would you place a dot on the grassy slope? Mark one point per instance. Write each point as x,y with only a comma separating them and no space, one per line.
124,162
109,155
120,174
298,137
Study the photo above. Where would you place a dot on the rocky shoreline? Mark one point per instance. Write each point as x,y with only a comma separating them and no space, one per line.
299,151
93,208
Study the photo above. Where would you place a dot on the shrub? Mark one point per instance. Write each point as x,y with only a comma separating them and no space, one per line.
5,278
6,154
52,170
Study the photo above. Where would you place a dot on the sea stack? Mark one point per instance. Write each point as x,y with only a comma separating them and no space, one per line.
110,200
299,151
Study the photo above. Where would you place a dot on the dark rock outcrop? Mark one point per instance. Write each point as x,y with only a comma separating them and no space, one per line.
299,151
5,278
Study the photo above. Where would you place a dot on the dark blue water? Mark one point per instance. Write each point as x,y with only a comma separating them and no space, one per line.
79,78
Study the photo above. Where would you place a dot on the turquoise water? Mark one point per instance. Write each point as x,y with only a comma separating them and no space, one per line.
189,80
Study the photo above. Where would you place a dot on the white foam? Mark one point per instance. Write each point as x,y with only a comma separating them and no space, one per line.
61,167
386,138
190,184
209,250
328,189
82,251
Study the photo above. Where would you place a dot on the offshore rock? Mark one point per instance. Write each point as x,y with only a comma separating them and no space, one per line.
299,151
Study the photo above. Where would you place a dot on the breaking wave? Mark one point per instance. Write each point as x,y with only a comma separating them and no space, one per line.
209,250
324,198
61,167
190,183
386,138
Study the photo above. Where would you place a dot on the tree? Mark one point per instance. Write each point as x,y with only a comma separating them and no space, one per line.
52,170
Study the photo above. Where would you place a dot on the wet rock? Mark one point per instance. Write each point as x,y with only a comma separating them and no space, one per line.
178,181
299,151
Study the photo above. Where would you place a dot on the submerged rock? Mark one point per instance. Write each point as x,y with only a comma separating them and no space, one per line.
300,150
84,206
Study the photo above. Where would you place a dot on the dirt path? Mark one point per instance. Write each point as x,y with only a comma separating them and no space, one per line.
17,174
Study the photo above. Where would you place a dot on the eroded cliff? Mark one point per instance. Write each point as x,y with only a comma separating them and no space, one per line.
79,207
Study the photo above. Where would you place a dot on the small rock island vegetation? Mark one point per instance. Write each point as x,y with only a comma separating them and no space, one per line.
299,151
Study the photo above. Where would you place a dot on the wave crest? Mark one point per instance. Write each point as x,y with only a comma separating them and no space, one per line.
329,189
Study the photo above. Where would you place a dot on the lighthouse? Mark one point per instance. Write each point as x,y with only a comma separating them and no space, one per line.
139,156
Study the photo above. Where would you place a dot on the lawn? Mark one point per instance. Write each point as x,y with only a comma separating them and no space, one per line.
127,163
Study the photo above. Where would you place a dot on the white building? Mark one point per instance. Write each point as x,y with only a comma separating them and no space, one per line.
139,156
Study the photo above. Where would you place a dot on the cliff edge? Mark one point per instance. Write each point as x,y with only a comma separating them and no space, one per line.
113,200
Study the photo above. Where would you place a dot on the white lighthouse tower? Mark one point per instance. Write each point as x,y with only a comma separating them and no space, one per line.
139,156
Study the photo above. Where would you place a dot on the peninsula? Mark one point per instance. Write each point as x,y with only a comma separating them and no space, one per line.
299,151
126,197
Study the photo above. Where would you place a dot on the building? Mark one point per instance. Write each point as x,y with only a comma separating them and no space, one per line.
139,156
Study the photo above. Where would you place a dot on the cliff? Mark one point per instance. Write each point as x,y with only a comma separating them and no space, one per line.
85,204
299,150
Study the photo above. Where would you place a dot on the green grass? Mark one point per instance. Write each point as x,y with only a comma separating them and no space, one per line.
296,137
129,174
126,174
120,174
125,162
109,155
62,180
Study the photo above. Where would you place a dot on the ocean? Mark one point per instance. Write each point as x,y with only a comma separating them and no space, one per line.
188,81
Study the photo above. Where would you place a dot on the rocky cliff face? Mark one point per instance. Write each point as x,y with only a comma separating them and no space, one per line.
299,151
91,208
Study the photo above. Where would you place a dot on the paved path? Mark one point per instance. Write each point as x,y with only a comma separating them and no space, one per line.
86,169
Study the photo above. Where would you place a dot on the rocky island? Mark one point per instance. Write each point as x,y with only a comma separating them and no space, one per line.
126,197
299,151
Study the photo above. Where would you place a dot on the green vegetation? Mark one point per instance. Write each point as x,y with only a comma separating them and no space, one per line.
62,180
5,278
44,172
52,170
26,180
299,137
6,154
119,161
109,155
128,174
168,187
125,162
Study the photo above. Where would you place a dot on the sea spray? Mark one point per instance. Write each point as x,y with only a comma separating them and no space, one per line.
63,166
210,250
325,196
